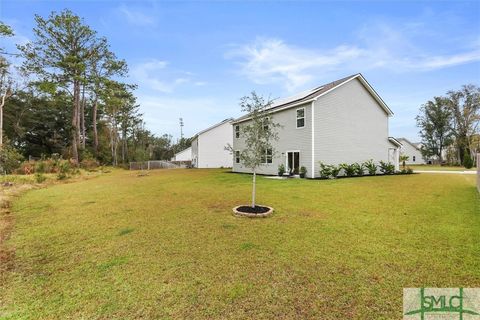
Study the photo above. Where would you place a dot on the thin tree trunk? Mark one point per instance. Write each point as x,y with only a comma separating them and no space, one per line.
2,104
95,133
82,117
253,188
76,94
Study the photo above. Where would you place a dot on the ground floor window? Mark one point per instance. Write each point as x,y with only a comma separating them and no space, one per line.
267,156
413,158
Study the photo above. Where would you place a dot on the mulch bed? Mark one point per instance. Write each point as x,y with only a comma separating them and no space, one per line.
256,209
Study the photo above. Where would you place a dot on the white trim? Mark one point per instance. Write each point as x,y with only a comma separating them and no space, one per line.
296,118
313,139
286,158
229,120
395,142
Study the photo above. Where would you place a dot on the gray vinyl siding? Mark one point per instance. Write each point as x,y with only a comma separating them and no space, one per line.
290,139
350,126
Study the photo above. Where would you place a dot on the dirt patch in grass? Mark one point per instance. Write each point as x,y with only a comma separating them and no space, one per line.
256,209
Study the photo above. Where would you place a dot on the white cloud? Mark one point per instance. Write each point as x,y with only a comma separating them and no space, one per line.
136,17
155,75
272,60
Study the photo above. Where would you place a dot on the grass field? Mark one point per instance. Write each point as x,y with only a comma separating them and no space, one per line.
439,168
166,246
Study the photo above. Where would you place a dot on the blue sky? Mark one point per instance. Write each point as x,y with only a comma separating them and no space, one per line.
195,59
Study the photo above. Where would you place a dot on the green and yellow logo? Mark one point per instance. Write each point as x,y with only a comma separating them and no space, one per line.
441,303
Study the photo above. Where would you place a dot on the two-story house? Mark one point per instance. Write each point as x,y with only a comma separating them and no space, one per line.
344,121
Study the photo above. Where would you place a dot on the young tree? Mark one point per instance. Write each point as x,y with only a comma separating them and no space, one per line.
464,105
434,122
403,158
59,55
258,134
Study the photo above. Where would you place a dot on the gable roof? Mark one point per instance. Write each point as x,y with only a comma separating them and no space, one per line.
315,93
212,127
415,145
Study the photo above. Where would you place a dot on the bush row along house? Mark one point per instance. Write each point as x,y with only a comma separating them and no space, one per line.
344,121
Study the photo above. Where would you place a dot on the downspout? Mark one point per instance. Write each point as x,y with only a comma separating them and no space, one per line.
313,139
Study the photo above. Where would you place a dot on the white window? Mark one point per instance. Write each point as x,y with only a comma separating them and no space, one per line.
267,156
301,118
265,125
237,156
237,131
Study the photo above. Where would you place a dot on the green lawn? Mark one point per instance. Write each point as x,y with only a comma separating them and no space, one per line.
439,168
166,246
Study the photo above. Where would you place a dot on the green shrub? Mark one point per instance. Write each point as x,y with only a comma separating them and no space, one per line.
371,167
10,159
409,170
359,168
387,167
281,170
39,177
303,172
348,169
325,170
467,160
335,171
62,176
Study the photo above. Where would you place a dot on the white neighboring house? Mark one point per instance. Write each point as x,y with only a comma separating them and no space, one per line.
184,155
412,150
344,121
208,146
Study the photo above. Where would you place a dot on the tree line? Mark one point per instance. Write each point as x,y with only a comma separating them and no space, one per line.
449,127
70,97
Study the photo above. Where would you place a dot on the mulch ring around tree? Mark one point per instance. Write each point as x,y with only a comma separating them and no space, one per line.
253,212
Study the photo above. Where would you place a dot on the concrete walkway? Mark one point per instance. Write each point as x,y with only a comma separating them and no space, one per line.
445,171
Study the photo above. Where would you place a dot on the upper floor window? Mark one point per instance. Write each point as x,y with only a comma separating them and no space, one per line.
237,131
265,124
237,156
301,118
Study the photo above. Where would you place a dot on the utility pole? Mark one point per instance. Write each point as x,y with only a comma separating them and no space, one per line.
181,128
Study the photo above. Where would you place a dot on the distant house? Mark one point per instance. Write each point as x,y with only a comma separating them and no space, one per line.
412,150
208,146
184,155
344,121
